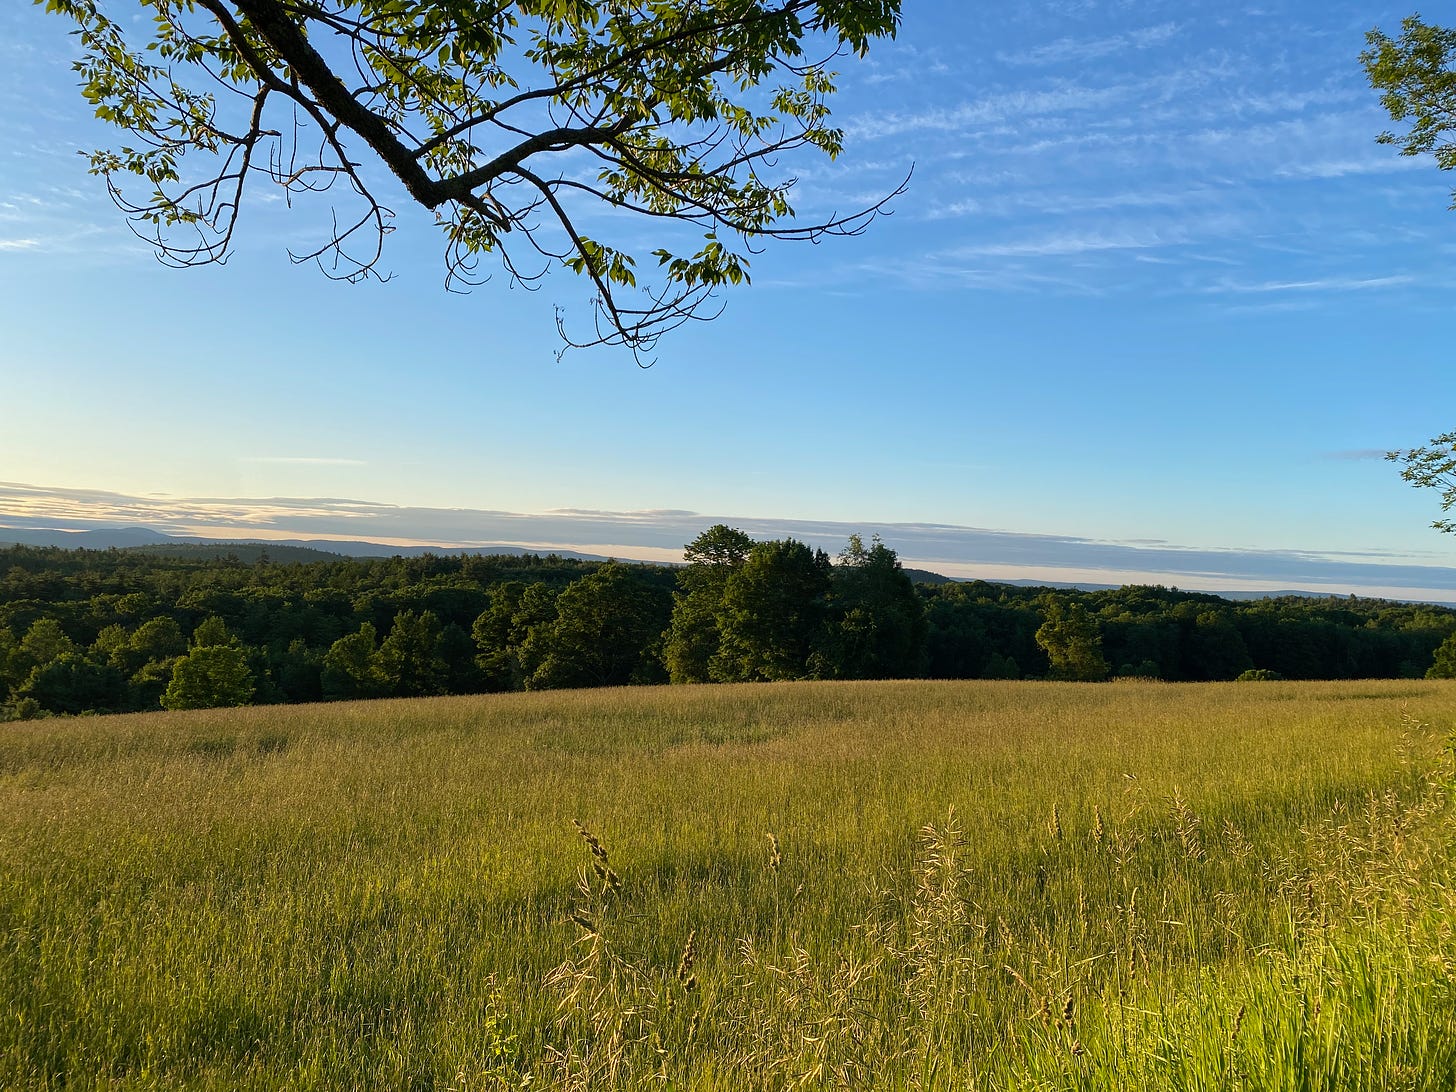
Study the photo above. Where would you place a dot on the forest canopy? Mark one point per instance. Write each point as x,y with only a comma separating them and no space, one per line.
117,630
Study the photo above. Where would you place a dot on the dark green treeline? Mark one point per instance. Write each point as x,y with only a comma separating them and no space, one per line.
118,630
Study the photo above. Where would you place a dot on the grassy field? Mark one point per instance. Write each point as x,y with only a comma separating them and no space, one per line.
969,885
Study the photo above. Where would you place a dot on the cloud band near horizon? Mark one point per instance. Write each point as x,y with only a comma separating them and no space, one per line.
659,535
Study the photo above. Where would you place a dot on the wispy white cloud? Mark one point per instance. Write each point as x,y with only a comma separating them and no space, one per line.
1018,202
1322,284
991,109
1287,147
878,75
1284,103
941,273
19,244
1387,163
1070,50
1057,246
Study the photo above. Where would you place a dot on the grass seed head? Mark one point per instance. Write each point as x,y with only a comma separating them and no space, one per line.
584,923
594,843
689,959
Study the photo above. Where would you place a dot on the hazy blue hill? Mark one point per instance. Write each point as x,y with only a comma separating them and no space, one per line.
925,576
381,549
106,539
322,549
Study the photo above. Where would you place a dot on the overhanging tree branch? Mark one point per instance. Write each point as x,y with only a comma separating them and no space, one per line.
490,114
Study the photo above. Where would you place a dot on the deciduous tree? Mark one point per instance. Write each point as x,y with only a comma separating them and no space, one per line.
210,677
773,613
1072,642
1216,649
693,639
606,632
515,610
409,658
71,683
877,622
351,667
1443,664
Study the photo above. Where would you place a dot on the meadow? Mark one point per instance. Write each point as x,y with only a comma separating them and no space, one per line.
982,885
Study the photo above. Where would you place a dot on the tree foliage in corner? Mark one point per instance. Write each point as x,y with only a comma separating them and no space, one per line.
513,121
1416,75
1432,466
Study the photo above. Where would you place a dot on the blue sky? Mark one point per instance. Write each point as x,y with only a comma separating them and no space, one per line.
1153,285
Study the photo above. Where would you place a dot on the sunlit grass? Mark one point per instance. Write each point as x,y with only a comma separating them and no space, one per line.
377,895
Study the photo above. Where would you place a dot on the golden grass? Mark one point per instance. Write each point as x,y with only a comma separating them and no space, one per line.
375,895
